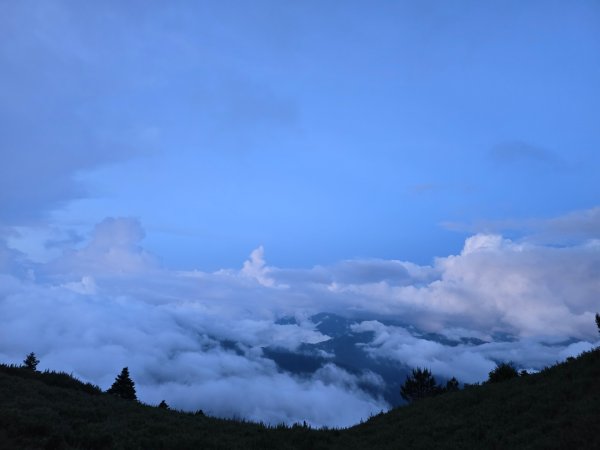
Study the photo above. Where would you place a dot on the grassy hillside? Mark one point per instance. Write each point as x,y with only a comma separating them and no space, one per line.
558,408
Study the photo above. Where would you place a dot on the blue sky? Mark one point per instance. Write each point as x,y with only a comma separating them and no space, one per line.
321,130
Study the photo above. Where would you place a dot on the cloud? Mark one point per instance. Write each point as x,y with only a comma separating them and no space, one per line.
173,353
364,271
255,267
519,153
83,88
424,188
114,248
55,118
494,285
583,224
525,289
575,226
11,260
275,397
467,362
196,338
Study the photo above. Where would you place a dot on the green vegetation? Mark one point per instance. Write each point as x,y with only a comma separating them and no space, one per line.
30,362
419,384
163,405
503,372
556,408
452,385
123,387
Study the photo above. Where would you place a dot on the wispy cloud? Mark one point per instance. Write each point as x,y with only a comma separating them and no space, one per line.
573,226
520,153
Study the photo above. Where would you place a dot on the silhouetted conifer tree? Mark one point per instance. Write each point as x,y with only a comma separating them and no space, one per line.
452,385
598,321
123,386
502,372
163,405
31,361
418,385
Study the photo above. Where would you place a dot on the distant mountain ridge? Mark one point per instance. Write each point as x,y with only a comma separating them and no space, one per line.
345,351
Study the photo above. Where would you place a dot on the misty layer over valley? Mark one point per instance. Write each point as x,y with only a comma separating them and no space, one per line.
329,345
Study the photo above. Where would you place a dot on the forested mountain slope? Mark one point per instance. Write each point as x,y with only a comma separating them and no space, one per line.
557,408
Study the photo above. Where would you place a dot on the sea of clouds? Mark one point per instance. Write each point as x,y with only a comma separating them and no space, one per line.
195,338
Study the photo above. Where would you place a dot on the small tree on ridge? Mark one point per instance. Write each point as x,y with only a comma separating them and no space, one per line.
123,386
31,361
502,372
452,385
163,405
418,385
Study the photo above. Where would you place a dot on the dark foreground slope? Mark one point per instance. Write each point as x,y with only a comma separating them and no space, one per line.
558,408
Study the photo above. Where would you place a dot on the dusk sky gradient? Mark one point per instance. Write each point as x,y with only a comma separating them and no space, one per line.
429,161
321,130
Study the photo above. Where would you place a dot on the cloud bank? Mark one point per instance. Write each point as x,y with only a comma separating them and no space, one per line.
196,338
